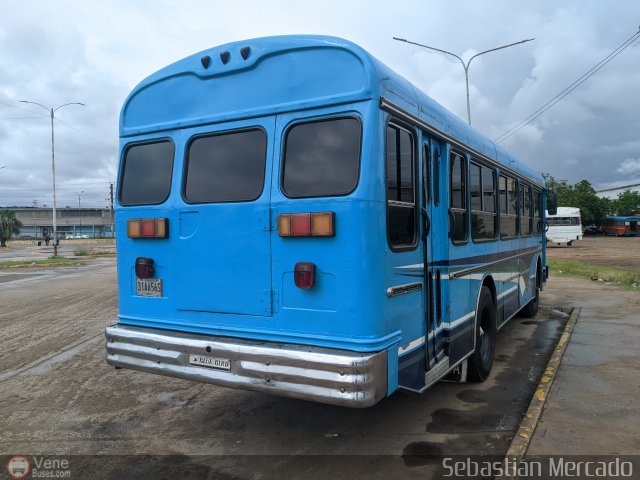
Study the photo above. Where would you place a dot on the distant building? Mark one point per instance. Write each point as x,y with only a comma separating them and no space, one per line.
613,192
37,221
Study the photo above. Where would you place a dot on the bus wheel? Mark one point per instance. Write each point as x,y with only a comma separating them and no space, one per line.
531,309
481,361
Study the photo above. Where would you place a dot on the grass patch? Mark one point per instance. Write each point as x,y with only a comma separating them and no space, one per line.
46,262
613,276
81,252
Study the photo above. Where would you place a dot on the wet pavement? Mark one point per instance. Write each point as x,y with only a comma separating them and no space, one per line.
58,396
593,407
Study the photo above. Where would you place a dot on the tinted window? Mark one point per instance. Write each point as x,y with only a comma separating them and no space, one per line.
426,175
508,207
436,176
474,177
537,209
146,173
322,158
483,202
502,189
226,168
458,200
488,190
512,186
525,210
400,166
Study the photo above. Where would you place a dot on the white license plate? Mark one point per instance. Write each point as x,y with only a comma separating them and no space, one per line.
149,287
213,362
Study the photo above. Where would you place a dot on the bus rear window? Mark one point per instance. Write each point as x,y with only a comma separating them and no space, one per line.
146,173
227,167
322,158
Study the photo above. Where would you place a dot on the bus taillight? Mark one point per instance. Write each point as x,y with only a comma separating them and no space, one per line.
320,224
304,274
147,228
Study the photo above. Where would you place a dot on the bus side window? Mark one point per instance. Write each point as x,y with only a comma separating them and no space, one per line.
537,212
483,202
426,177
401,203
525,210
508,207
436,176
458,199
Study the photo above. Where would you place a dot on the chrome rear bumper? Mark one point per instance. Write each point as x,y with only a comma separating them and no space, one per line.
337,377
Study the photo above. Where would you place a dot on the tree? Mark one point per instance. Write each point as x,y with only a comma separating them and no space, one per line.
9,226
593,209
627,203
582,195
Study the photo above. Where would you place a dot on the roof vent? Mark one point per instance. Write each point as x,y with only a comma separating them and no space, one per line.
245,52
206,61
225,56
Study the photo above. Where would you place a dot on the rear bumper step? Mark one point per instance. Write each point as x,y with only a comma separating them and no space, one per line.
337,377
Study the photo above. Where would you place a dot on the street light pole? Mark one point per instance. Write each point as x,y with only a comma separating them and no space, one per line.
464,65
79,193
79,213
52,112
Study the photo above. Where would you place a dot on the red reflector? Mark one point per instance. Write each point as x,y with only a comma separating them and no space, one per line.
300,225
304,274
144,267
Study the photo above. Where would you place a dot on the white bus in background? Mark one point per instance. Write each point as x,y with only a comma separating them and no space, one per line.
565,226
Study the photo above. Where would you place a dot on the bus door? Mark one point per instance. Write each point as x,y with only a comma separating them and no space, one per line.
430,206
224,250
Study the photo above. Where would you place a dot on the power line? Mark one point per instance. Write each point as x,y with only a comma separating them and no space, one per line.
22,118
592,71
16,107
84,134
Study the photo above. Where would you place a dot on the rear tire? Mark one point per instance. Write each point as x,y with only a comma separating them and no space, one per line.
481,361
530,310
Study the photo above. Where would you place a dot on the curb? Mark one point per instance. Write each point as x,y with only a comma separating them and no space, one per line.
520,442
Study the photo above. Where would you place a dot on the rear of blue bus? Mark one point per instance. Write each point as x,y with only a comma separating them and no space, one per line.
250,218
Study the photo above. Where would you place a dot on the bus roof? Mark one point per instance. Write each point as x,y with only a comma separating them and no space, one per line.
270,75
628,218
566,212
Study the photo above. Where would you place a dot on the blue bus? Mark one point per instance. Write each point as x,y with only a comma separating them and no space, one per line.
294,217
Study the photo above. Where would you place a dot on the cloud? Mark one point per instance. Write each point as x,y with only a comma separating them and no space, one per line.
629,166
95,53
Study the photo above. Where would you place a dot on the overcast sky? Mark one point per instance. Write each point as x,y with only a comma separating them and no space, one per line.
55,52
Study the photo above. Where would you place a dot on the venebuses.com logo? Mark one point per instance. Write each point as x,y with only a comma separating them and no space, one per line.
18,466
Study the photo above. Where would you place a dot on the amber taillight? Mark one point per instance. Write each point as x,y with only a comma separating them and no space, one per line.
147,228
320,224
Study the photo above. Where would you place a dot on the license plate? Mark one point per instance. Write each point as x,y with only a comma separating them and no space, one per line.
149,287
212,362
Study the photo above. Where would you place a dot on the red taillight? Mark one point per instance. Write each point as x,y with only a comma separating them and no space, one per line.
304,274
144,267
